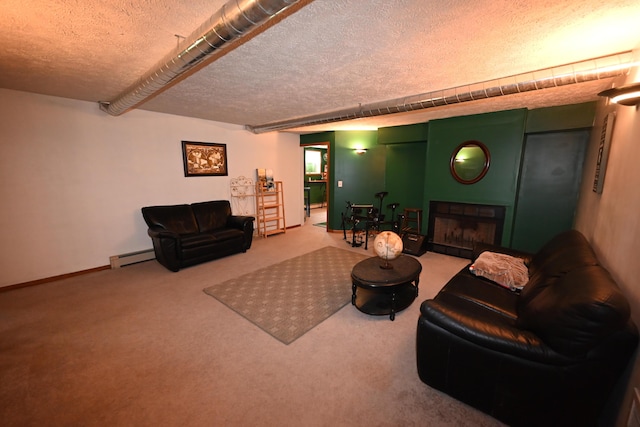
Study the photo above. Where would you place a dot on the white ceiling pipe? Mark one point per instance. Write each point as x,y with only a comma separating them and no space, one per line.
234,20
579,72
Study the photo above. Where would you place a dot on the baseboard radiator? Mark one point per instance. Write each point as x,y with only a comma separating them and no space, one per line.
118,261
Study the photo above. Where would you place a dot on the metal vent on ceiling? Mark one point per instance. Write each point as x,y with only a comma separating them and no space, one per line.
234,20
575,73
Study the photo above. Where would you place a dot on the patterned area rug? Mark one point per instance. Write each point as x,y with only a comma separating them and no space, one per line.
288,299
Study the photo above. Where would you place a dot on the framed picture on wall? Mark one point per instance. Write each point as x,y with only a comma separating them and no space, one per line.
603,152
204,159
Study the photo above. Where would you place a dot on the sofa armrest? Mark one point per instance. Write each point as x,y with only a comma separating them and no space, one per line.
239,221
244,223
478,248
511,387
157,232
488,330
166,245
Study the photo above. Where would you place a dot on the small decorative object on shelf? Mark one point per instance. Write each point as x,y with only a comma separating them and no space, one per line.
388,246
271,185
265,179
242,192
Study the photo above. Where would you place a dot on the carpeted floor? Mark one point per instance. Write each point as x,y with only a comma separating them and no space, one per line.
289,298
142,346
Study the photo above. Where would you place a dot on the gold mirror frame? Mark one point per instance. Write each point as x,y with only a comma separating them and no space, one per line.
476,165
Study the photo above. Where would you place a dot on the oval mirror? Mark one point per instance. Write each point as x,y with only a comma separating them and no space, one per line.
470,162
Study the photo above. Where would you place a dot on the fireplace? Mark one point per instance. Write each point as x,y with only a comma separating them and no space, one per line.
455,227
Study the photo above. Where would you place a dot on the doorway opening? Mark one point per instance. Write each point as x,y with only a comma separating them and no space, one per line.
316,161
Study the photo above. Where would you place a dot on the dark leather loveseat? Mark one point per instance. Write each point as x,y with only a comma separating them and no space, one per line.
185,235
547,356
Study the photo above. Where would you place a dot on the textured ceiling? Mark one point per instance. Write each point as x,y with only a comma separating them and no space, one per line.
324,56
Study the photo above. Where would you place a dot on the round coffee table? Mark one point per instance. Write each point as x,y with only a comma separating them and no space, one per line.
382,291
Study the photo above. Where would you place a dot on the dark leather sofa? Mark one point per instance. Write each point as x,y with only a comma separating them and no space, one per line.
185,235
548,356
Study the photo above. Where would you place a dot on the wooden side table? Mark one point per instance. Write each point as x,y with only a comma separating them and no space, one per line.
380,291
412,221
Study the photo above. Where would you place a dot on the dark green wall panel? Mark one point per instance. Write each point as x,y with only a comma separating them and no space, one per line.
362,175
503,134
314,138
550,184
403,134
405,175
564,117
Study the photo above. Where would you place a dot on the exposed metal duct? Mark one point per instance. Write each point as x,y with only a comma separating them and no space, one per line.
579,72
234,20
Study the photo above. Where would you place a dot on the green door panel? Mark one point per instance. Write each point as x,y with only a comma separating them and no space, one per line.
549,187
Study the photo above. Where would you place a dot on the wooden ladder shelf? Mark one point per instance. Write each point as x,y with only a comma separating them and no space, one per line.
270,209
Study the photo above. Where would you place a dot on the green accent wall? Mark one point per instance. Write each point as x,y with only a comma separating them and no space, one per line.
403,134
503,134
362,175
317,138
564,117
411,163
405,178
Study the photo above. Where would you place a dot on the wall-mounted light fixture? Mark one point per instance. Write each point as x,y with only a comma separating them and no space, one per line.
628,95
360,150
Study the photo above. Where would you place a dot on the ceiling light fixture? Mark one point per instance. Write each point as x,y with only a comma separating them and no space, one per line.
579,72
233,21
360,150
628,95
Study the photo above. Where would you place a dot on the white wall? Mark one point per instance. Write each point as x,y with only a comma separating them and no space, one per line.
610,220
73,179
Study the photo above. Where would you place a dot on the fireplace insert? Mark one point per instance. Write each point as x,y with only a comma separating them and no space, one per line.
454,227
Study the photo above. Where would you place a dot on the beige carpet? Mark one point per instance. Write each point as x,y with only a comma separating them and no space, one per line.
288,299
142,346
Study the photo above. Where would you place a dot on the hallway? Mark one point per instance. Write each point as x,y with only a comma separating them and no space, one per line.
318,215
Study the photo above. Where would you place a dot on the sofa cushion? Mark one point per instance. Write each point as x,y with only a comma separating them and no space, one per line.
483,293
505,270
227,234
212,215
196,240
577,312
175,218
